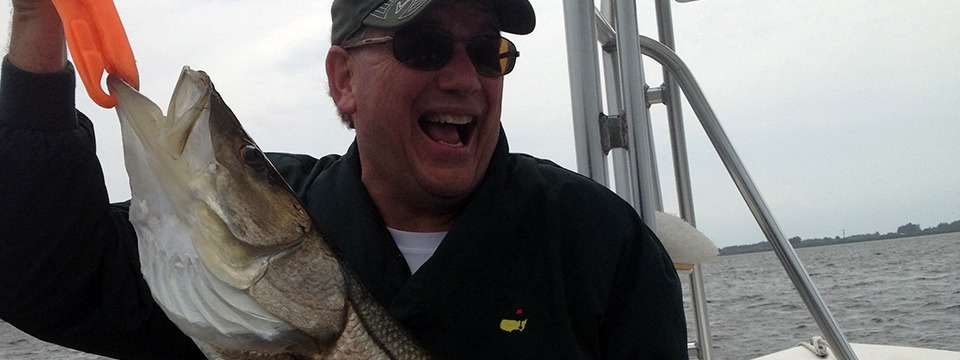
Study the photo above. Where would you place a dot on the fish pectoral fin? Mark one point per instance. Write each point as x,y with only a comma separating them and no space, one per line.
231,261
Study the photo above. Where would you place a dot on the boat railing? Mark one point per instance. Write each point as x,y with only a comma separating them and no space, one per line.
625,140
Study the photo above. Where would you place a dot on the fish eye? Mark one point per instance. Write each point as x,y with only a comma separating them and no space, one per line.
252,156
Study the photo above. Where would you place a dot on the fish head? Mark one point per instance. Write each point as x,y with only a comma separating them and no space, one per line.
199,163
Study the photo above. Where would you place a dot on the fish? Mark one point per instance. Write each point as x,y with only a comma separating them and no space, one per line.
228,250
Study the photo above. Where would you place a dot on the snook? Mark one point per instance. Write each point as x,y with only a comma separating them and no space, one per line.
228,250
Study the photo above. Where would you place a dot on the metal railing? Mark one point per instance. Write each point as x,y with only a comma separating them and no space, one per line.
635,170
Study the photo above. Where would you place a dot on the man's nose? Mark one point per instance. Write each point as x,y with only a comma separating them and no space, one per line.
459,74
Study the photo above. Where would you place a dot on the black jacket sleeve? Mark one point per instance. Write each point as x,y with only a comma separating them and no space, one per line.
71,272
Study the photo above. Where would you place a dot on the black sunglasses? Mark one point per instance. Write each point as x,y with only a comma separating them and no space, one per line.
432,49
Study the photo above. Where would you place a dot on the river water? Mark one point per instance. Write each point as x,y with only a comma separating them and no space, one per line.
895,292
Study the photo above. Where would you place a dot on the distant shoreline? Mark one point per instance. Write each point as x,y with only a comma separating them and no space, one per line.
905,231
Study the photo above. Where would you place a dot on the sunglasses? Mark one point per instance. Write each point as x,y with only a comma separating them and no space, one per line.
432,49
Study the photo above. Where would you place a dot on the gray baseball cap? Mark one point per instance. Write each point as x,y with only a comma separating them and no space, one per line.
515,16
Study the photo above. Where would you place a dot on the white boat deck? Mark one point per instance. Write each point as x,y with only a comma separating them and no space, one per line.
867,351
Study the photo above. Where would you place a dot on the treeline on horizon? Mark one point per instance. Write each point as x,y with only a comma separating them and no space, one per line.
904,231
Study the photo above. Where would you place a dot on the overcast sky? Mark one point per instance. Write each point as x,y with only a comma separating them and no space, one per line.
846,113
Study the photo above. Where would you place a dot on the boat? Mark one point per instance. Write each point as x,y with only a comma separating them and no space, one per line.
605,58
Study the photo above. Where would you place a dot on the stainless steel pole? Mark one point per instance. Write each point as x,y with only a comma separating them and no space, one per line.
585,88
681,168
634,102
619,158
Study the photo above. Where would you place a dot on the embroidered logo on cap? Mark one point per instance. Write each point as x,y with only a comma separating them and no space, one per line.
398,9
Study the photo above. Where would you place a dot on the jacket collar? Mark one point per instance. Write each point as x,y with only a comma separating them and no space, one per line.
356,230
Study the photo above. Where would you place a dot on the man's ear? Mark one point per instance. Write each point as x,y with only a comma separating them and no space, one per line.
339,77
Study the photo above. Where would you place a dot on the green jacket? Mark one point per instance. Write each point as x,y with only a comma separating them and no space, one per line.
543,263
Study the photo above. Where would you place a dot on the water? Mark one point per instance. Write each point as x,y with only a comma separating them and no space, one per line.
14,344
895,292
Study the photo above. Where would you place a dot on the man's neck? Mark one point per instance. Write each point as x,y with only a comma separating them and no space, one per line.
412,216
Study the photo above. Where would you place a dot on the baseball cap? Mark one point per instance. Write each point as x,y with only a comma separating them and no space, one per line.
515,16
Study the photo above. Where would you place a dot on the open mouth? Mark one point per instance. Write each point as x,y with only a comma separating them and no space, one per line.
453,130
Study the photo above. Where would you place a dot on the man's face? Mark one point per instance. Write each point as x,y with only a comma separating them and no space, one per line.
426,136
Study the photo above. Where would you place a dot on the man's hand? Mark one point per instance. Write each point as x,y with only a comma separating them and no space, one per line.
37,43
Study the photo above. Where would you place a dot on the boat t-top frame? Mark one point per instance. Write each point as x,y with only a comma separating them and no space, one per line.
624,138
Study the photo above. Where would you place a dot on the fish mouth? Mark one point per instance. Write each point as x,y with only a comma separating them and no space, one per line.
448,129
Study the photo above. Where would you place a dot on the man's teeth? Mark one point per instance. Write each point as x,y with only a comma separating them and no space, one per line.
450,119
447,129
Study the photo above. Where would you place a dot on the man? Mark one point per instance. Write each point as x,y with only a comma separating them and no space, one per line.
478,252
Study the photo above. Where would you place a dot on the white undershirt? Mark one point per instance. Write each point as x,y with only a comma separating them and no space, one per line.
417,247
